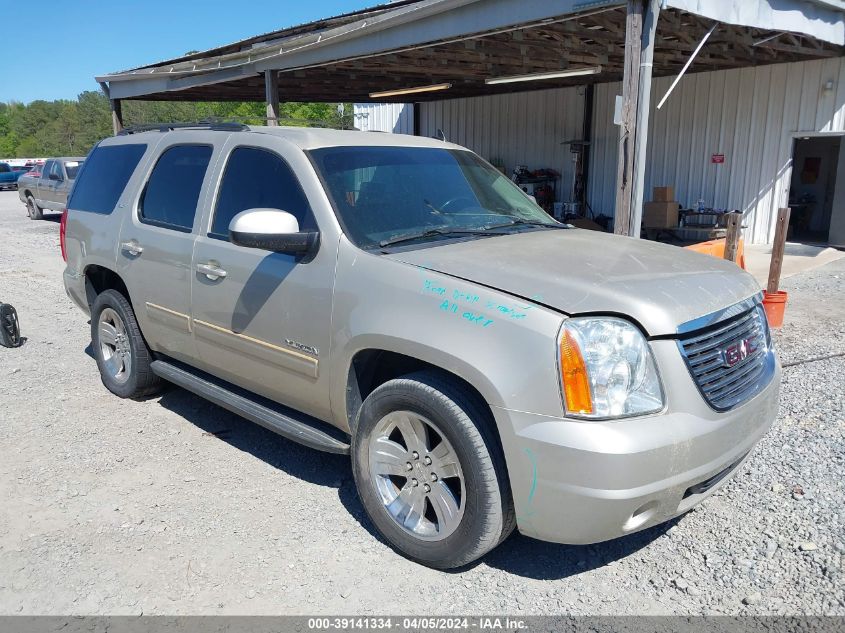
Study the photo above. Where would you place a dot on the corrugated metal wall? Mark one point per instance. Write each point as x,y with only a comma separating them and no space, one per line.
515,129
385,117
750,115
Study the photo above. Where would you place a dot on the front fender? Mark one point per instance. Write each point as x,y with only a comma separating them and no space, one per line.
504,347
426,353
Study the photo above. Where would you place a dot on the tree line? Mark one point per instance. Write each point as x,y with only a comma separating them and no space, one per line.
70,128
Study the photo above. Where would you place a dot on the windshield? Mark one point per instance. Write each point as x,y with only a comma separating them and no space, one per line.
72,168
386,195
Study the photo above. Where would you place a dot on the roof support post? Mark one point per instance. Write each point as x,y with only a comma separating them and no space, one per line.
628,123
271,91
116,109
652,12
116,115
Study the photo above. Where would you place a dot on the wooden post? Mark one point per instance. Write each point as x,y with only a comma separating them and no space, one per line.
734,234
778,247
651,14
271,92
116,109
628,127
116,115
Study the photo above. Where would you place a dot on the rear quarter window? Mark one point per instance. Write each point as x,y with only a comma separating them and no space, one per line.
72,168
103,178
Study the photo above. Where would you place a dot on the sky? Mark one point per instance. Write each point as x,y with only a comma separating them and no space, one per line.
71,42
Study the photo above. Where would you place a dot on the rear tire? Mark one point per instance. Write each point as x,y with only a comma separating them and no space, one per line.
122,355
430,472
33,210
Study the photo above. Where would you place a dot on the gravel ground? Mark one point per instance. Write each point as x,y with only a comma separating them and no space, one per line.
174,506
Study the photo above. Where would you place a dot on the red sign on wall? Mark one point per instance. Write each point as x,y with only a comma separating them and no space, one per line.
717,158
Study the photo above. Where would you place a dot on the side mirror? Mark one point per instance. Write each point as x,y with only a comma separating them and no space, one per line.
54,177
271,230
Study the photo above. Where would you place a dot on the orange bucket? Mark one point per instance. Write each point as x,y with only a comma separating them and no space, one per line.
716,248
775,305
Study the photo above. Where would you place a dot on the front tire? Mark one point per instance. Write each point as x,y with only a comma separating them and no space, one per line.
430,471
122,355
33,210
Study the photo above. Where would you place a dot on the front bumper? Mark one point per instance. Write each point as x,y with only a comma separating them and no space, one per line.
584,482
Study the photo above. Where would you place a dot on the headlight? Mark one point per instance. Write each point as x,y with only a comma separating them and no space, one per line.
607,369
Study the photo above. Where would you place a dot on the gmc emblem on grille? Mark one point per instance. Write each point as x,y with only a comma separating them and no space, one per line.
738,351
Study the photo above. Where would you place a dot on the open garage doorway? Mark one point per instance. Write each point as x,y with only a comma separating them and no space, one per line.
817,190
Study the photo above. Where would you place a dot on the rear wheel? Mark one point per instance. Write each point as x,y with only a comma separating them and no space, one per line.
430,472
122,355
33,210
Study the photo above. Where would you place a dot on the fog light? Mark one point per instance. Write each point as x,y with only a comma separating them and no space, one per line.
641,516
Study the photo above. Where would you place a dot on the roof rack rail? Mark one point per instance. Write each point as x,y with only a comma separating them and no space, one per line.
217,126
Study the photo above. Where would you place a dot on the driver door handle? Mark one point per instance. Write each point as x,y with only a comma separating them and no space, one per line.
211,271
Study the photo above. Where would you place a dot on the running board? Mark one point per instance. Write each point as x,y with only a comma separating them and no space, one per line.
292,425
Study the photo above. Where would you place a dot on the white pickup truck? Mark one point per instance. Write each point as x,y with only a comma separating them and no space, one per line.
49,191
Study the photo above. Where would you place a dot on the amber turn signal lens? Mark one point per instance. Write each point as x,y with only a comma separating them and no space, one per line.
576,382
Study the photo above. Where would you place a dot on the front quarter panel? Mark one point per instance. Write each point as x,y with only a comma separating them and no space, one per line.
503,346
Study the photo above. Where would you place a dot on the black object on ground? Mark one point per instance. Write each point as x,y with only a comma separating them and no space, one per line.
10,330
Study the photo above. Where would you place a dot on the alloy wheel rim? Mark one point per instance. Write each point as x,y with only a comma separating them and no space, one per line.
417,475
114,345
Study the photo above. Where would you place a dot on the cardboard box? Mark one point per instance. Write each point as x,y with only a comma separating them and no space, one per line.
663,194
660,214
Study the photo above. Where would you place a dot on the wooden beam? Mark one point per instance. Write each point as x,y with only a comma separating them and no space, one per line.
651,13
734,234
115,107
628,127
778,247
271,96
116,115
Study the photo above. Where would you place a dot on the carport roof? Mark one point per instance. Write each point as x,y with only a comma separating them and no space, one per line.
463,42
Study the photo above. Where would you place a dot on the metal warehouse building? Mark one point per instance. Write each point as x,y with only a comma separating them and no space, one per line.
759,119
752,92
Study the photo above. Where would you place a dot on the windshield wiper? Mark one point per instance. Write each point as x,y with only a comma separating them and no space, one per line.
442,231
518,222
487,230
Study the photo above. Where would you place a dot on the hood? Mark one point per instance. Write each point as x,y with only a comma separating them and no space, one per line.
577,271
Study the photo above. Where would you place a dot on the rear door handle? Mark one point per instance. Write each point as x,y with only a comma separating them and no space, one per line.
132,247
211,270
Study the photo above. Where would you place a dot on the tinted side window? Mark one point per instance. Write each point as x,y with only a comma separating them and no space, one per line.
104,176
4,168
173,190
48,167
258,178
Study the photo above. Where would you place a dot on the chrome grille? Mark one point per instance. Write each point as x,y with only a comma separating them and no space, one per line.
730,360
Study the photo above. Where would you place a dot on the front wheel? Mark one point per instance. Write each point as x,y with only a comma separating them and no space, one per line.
430,472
